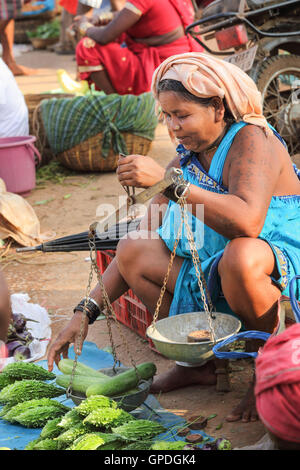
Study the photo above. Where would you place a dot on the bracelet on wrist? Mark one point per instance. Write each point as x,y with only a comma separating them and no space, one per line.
177,190
91,309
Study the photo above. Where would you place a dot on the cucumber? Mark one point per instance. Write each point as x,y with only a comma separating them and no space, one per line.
120,383
66,367
80,383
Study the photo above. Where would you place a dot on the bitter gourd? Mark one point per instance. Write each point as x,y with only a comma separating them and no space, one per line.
14,412
20,391
69,436
139,429
107,417
51,429
89,441
70,419
46,444
168,445
94,402
27,370
38,417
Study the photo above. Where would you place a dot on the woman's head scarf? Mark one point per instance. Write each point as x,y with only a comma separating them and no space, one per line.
205,76
277,388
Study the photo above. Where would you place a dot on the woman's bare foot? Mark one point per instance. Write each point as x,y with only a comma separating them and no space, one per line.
180,376
246,409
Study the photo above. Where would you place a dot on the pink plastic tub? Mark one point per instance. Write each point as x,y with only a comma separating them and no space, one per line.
17,163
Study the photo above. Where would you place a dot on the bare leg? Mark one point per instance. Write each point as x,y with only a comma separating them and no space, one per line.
102,81
144,264
245,270
7,32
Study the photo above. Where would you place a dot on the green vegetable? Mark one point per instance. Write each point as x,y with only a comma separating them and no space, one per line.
20,391
111,442
46,30
94,402
69,436
139,445
70,419
38,417
51,429
5,380
168,445
14,412
90,441
66,367
31,444
107,417
47,444
224,444
122,382
139,429
27,370
80,383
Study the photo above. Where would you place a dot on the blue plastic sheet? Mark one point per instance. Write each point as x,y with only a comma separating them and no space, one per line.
17,437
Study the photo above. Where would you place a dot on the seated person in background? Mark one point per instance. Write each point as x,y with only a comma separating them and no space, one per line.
13,109
277,388
122,56
236,167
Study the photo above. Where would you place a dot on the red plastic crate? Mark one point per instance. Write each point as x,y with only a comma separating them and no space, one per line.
128,308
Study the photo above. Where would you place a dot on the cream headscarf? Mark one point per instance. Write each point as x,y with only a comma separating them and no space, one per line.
205,76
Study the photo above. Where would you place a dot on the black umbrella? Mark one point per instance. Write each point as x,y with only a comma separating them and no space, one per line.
80,242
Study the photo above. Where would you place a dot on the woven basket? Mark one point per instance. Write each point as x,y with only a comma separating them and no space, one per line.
86,156
36,126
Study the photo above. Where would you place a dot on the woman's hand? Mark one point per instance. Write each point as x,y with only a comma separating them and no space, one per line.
70,334
139,171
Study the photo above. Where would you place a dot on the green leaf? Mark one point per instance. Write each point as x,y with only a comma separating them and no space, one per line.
66,196
44,201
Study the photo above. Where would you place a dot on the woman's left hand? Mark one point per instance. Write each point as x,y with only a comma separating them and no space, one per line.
139,171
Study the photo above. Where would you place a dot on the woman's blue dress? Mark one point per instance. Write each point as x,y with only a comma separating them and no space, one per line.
281,231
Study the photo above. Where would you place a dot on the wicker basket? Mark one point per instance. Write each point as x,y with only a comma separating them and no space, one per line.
36,126
86,156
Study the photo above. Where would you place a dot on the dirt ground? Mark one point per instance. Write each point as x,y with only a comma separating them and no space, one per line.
58,281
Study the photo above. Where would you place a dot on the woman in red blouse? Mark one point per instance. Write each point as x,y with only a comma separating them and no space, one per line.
121,56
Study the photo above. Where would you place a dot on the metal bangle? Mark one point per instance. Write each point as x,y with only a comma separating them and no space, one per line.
185,186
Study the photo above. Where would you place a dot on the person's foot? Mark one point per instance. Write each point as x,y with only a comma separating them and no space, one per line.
20,69
179,377
246,409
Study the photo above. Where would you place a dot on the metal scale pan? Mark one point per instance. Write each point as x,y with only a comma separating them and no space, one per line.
169,335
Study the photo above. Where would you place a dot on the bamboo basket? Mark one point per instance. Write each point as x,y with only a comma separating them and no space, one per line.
87,156
36,126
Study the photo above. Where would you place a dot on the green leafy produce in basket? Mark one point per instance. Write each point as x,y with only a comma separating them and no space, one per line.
108,417
27,370
20,391
46,30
